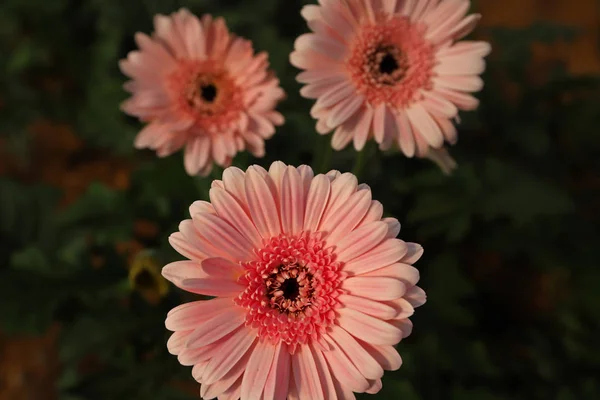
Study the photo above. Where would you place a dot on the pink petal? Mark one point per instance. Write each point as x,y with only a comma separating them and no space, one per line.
316,200
176,341
201,206
374,214
463,101
375,387
393,227
177,271
362,360
344,370
198,370
220,234
202,354
276,171
292,201
234,183
370,307
341,137
311,12
185,248
344,110
329,391
342,188
222,268
403,308
277,383
219,325
468,48
415,296
257,370
404,272
363,128
387,356
425,125
361,240
230,384
196,154
405,325
307,175
212,287
224,361
463,83
464,27
459,65
367,328
230,210
438,105
406,139
306,376
190,315
414,252
386,253
379,117
263,207
444,18
375,288
344,219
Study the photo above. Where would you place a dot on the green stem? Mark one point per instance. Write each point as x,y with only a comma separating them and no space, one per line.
326,160
323,153
361,161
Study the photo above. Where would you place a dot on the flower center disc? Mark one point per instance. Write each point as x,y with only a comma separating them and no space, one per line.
291,289
208,92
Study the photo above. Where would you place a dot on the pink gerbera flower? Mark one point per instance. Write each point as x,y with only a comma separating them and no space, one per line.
390,70
312,288
202,88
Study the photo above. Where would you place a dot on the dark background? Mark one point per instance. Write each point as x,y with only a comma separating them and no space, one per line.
511,261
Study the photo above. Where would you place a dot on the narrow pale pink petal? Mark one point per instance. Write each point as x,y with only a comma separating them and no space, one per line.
415,296
413,253
375,288
322,369
190,315
404,272
222,362
362,360
231,210
306,376
177,341
177,271
384,254
343,370
370,307
223,236
367,328
263,207
185,248
292,201
316,200
346,217
361,240
216,327
257,371
278,379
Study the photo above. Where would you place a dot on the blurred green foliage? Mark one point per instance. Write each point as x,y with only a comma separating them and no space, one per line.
510,265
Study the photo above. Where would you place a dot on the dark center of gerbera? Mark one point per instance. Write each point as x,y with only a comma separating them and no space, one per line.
289,288
388,64
208,92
